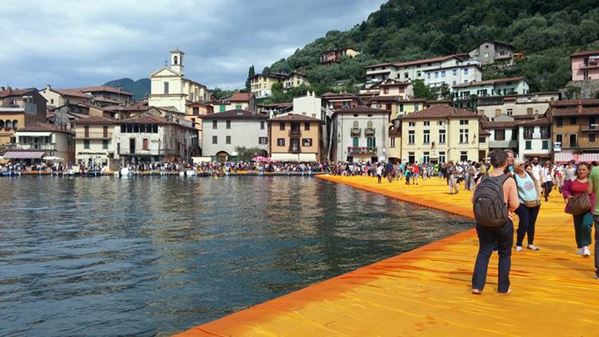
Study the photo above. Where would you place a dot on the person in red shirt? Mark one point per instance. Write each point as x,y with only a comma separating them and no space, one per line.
583,223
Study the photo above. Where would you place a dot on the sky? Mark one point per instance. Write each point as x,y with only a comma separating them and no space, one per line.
75,43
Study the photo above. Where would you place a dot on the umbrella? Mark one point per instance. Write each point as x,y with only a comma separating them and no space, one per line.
261,159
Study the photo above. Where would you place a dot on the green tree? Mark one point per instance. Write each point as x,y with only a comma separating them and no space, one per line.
251,73
421,90
246,154
444,91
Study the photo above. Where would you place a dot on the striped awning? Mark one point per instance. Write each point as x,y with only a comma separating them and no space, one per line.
24,155
589,157
564,157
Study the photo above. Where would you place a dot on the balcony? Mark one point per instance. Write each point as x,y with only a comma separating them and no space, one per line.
369,131
356,150
503,144
294,149
356,132
44,147
294,133
590,128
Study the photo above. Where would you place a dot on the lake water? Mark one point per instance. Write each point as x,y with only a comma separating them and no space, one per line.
153,256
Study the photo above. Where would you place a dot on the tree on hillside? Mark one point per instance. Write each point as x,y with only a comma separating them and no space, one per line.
422,90
444,91
251,73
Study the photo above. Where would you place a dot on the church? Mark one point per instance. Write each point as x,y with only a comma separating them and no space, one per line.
171,90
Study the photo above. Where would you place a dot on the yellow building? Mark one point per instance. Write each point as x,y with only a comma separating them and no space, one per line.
261,84
94,143
295,137
19,108
441,133
295,80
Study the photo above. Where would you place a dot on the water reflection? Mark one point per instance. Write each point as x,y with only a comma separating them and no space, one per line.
145,256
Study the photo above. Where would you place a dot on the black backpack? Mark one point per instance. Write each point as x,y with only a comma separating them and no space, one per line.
490,209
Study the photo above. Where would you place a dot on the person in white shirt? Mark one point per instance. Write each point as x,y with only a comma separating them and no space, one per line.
570,171
546,179
536,169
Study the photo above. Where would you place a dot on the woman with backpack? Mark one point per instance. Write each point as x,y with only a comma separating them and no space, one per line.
529,192
583,223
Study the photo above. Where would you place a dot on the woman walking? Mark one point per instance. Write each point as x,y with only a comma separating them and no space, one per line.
583,223
547,179
528,195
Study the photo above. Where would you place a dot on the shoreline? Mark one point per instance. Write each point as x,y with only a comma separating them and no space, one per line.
161,174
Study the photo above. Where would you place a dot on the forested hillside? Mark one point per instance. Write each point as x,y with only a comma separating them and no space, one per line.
547,32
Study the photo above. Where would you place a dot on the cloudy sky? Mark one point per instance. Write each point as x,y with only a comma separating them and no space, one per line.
71,43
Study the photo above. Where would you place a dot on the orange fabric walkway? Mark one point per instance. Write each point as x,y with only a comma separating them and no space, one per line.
426,292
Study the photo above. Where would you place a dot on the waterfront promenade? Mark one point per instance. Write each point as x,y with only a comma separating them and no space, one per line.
426,292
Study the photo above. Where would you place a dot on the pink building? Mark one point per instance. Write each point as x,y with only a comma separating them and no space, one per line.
585,65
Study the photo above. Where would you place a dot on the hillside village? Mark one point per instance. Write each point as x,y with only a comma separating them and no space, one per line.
182,121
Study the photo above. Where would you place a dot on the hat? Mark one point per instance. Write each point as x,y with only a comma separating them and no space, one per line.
518,162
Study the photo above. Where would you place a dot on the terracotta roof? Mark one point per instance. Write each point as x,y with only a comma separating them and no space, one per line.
440,111
94,120
234,114
295,118
43,127
241,97
538,121
497,125
575,102
430,60
104,88
482,132
16,92
71,92
361,109
499,80
398,99
585,53
284,105
379,65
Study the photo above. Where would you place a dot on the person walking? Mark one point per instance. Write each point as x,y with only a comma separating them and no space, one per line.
546,179
528,196
501,237
452,174
583,223
593,188
379,172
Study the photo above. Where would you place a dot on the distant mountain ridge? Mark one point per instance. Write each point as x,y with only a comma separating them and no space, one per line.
140,88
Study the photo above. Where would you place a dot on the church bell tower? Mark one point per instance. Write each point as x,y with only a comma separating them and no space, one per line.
177,61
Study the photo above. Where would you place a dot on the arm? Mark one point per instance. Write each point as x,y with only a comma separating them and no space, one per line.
567,189
511,194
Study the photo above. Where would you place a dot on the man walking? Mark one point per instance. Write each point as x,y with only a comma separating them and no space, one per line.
496,192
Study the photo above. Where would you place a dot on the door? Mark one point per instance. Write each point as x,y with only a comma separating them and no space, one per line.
132,145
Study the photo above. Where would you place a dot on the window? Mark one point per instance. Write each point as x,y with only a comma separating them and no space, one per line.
436,74
86,131
385,90
411,123
482,140
105,132
222,108
282,126
307,126
262,140
51,100
215,125
228,140
227,124
572,140
499,135
559,121
510,112
545,132
572,120
166,87
418,73
146,144
355,142
307,142
514,134
441,156
86,143
441,123
105,143
392,144
591,137
466,71
411,137
443,73
455,72
528,132
427,123
463,156
528,145
545,145
427,137
558,139
371,142
196,111
428,75
238,106
214,139
463,136
463,122
280,141
441,136
400,107
405,75
425,157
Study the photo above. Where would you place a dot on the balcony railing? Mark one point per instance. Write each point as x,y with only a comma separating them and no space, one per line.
356,131
45,147
590,128
353,150
369,131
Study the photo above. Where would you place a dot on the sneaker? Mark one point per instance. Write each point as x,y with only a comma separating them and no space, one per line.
533,247
507,292
476,292
518,248
586,252
579,251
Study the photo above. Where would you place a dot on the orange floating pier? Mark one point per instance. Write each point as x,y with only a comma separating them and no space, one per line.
426,292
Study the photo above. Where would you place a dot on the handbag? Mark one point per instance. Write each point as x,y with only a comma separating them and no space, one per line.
532,203
579,204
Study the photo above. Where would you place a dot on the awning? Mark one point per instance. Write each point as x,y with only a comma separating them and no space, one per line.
563,157
24,154
589,157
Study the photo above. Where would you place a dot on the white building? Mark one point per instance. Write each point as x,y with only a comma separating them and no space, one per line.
534,138
225,131
170,89
94,141
489,52
451,70
503,133
42,140
517,105
309,105
497,87
360,134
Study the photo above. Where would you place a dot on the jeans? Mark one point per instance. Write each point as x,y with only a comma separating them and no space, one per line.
501,238
548,186
596,220
583,228
526,224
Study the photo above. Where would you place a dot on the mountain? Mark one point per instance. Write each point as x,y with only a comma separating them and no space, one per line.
139,88
547,32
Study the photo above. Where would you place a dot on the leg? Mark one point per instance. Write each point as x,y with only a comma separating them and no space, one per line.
505,239
523,216
586,229
486,243
532,220
578,230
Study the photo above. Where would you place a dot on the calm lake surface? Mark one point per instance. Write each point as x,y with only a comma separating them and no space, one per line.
153,256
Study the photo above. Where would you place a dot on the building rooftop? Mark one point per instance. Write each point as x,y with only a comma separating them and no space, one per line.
361,109
495,81
234,114
585,53
295,118
94,120
440,111
43,127
104,88
10,92
241,97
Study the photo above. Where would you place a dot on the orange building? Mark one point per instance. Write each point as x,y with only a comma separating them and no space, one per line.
295,137
19,108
